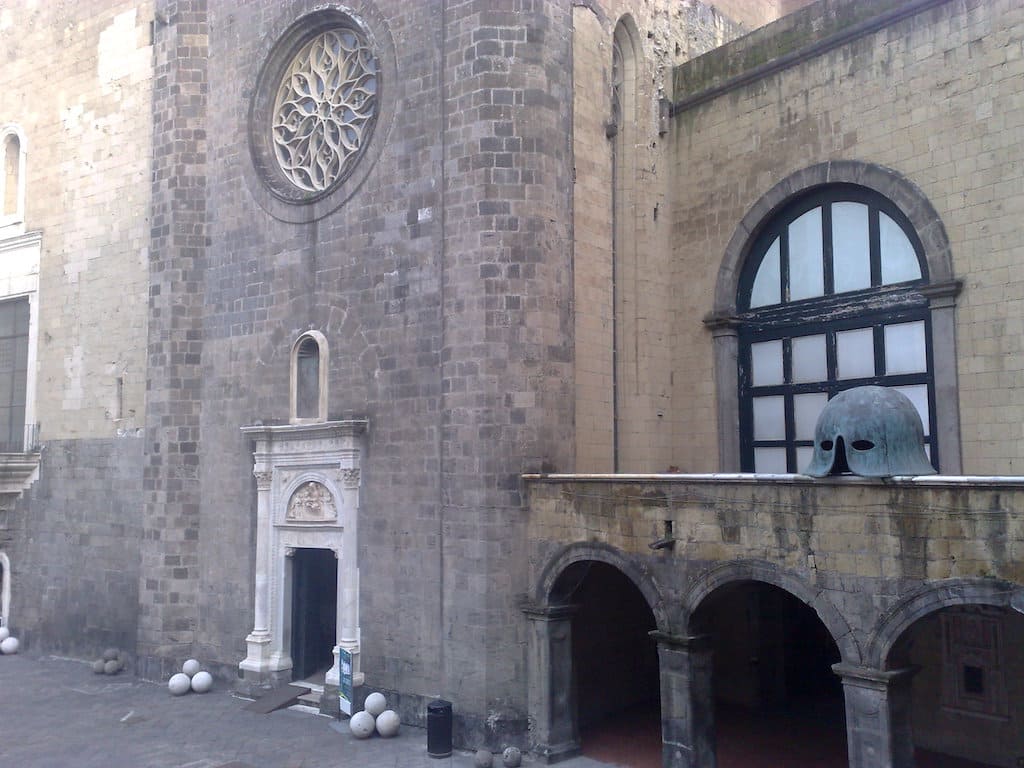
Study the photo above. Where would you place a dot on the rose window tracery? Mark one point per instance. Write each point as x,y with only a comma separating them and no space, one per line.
325,109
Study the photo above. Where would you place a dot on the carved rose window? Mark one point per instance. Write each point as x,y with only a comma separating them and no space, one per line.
325,109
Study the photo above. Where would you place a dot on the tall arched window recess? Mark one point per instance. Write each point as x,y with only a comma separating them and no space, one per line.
829,298
309,365
12,182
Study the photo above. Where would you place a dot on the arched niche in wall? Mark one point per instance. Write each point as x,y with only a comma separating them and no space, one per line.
309,366
12,183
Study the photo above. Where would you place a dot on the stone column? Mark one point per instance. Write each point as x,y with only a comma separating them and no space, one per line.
551,693
877,716
348,576
258,643
726,348
687,701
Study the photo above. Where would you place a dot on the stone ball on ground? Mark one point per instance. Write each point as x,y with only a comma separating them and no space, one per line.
98,666
362,725
483,758
512,757
190,667
375,704
202,682
4,633
179,684
110,654
387,723
9,645
111,667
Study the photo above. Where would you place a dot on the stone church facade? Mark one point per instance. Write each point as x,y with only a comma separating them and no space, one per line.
477,343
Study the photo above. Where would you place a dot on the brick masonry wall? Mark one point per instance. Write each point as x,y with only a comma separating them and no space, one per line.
663,34
933,97
73,546
78,81
506,369
170,566
85,108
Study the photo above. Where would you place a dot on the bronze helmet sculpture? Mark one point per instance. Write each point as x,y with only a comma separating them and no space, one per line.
870,431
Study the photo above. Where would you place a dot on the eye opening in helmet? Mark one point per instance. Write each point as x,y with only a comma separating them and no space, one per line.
862,445
826,445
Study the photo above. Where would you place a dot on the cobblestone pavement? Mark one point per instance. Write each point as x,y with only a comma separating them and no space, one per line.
55,713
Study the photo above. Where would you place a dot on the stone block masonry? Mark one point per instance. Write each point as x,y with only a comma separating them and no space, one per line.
171,491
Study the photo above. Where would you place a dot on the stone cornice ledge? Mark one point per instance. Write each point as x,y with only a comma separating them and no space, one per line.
785,61
314,430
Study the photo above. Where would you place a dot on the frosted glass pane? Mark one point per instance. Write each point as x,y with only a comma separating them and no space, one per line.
904,348
918,395
899,262
804,454
770,461
851,247
809,362
766,357
767,288
855,354
806,409
769,418
806,273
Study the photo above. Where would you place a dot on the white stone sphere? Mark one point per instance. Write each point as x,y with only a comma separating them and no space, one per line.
202,682
190,667
483,758
111,667
362,725
4,633
512,757
9,645
110,654
375,704
99,667
179,684
387,723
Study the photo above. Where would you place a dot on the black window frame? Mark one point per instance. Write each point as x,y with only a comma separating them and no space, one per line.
875,307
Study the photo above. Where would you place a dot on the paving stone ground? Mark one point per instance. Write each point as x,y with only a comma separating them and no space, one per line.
55,713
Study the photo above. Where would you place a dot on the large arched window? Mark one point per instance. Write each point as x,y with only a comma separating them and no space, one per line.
829,297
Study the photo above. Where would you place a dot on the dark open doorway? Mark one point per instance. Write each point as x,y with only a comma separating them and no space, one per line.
314,611
615,666
777,701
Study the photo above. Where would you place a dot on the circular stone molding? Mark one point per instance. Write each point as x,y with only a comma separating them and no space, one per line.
321,109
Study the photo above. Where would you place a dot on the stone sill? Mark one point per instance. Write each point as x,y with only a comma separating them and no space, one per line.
741,478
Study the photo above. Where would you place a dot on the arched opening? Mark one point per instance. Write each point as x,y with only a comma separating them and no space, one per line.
967,690
12,174
777,701
615,669
309,378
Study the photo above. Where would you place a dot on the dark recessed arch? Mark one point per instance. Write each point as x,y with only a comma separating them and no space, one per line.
546,590
762,571
927,600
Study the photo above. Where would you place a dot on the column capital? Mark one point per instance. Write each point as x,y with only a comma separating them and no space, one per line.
537,612
867,677
681,642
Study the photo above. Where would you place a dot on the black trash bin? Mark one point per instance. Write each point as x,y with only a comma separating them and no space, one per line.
439,728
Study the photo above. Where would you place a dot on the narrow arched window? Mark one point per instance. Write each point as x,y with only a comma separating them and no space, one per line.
829,298
12,180
309,378
12,172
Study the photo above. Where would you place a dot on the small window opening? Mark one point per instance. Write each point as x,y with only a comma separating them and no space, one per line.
974,680
863,445
307,403
12,159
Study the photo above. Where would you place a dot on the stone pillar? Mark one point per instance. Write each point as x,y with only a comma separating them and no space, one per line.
258,643
726,349
551,694
687,701
877,716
